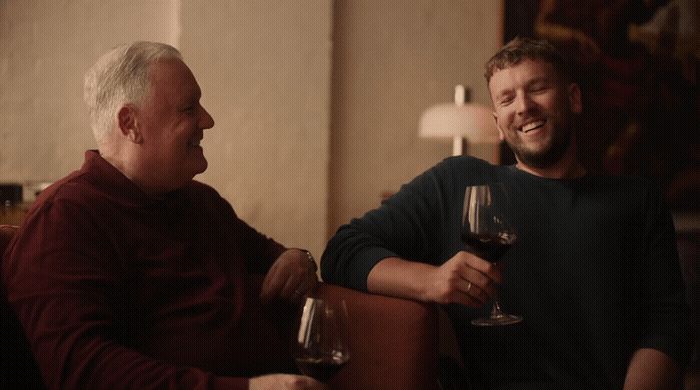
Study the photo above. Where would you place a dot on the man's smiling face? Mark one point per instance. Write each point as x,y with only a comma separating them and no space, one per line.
172,122
533,109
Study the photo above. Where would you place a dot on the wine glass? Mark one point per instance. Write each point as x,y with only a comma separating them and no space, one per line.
321,347
487,234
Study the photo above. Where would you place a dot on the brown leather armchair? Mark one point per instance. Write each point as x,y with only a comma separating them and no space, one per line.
393,342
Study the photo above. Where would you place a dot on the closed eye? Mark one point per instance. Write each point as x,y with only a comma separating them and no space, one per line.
189,110
506,100
539,87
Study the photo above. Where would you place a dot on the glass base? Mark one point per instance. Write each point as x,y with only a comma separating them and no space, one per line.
497,320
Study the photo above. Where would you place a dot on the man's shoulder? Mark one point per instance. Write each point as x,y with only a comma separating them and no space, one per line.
208,199
450,176
625,185
71,201
74,188
202,193
625,195
195,186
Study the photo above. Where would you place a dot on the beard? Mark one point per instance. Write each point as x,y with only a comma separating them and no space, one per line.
562,136
550,155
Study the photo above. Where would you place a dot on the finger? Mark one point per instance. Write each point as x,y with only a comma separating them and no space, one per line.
462,298
272,284
305,279
292,286
486,268
304,288
482,286
311,283
472,291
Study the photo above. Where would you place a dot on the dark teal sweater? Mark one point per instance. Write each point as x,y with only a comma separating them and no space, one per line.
595,271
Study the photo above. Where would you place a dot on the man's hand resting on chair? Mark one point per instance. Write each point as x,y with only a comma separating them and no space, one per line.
291,277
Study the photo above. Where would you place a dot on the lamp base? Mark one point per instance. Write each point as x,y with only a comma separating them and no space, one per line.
459,145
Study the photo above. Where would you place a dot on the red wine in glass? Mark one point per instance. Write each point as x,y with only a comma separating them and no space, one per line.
488,247
321,348
321,368
487,234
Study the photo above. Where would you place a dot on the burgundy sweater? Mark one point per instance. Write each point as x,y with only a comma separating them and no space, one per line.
116,289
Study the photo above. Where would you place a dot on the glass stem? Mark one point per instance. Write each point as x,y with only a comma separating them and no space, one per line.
496,309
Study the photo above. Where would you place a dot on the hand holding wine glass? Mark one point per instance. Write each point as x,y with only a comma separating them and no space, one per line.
321,347
464,279
487,234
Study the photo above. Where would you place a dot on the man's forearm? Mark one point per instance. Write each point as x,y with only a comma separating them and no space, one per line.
399,278
465,279
652,369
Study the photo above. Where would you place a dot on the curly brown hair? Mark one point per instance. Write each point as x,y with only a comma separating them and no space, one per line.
520,49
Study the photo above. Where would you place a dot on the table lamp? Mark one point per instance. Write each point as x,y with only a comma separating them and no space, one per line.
463,121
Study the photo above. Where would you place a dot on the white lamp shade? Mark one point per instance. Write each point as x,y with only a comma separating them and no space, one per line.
472,121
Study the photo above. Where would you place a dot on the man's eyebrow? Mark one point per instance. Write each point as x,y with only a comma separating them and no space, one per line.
539,79
500,94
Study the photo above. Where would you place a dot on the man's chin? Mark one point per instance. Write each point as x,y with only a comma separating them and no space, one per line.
202,169
542,158
199,164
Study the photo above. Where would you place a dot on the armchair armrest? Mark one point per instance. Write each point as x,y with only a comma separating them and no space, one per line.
393,342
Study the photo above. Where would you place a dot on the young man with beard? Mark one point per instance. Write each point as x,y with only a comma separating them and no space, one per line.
594,272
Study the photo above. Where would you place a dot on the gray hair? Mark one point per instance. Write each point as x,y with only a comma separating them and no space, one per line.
120,76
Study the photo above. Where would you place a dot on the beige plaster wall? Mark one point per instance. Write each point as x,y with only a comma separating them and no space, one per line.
392,60
264,68
45,48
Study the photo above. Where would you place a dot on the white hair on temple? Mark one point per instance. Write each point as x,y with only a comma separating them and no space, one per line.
118,77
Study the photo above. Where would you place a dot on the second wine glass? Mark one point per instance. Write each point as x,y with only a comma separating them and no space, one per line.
487,234
321,347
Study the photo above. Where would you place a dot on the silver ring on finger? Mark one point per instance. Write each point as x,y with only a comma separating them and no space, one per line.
469,287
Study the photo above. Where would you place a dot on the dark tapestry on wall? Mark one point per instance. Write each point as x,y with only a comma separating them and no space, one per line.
636,62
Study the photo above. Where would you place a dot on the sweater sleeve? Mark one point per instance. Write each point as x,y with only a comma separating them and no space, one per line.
662,312
65,288
258,250
407,225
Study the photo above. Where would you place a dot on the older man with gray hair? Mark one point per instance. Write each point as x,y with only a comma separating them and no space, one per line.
129,274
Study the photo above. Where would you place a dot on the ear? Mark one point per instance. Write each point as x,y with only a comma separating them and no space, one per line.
128,123
501,136
575,103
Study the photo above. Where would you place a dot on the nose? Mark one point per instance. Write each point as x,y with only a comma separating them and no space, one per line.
205,119
523,103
